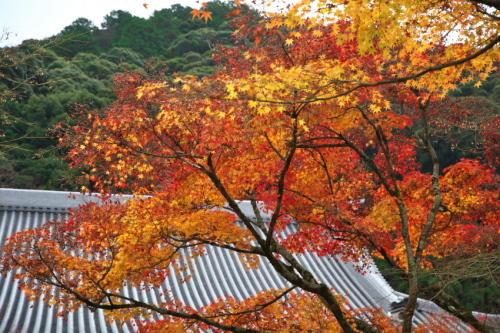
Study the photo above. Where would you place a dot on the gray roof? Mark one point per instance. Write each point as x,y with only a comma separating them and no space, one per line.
219,273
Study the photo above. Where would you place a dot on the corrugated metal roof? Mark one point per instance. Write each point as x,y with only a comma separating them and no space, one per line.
219,273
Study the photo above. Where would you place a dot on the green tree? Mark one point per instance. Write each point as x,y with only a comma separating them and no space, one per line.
112,28
120,55
93,66
77,37
199,41
140,35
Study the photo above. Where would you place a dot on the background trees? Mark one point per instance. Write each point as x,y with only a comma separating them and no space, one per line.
78,38
21,75
47,80
322,122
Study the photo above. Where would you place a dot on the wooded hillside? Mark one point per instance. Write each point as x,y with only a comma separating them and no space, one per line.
44,81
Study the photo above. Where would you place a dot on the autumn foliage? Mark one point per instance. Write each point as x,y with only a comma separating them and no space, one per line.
320,121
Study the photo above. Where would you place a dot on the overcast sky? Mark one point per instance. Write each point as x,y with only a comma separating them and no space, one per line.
38,19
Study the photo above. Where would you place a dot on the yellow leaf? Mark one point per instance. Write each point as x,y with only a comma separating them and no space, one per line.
302,123
317,33
375,108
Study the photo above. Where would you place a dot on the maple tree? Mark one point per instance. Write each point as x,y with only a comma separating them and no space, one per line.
319,122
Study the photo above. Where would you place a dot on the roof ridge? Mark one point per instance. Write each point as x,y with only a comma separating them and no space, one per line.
44,199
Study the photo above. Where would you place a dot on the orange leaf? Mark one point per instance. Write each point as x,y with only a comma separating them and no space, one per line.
196,13
234,13
206,15
201,14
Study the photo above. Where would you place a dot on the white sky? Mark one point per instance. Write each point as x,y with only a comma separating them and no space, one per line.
38,19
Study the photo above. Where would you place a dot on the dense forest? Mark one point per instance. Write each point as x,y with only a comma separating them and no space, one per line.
46,80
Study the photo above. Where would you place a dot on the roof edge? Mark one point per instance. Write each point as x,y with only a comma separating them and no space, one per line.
44,200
